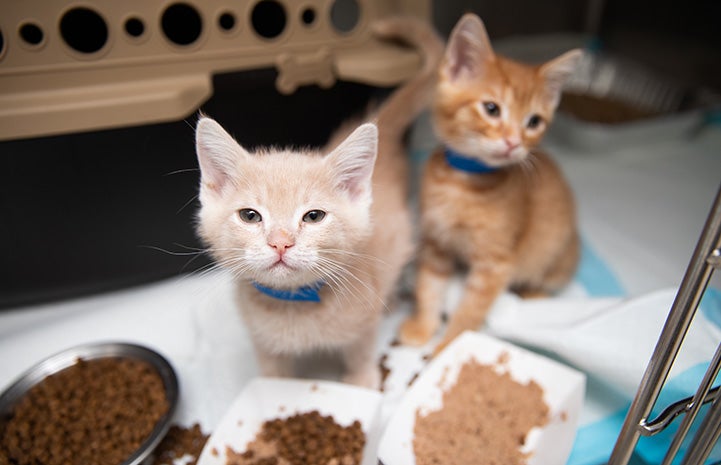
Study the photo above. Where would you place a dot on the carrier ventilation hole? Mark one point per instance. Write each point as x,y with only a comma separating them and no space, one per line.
308,16
134,27
226,21
181,24
2,44
268,19
31,34
344,15
84,30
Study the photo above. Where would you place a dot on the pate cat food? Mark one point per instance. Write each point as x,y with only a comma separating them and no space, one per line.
94,412
303,439
484,420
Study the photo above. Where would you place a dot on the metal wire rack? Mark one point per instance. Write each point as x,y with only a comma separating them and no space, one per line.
705,259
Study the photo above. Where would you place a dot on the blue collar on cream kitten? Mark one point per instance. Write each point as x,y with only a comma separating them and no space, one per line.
308,293
463,163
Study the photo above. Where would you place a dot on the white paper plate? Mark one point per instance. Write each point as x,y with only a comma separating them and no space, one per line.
270,398
563,391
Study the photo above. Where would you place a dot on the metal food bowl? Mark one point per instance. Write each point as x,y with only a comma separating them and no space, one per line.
60,361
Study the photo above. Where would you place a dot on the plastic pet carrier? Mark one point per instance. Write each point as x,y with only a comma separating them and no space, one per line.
97,106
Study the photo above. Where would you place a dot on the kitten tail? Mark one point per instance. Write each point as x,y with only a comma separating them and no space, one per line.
407,102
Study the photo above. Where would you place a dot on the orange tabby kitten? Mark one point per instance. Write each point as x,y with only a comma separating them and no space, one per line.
490,202
316,239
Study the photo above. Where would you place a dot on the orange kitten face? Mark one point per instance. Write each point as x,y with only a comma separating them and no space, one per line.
492,108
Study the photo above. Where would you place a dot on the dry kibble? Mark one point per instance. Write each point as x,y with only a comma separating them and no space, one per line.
385,371
484,420
303,439
96,411
181,443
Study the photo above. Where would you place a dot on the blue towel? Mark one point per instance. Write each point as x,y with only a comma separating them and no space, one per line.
594,442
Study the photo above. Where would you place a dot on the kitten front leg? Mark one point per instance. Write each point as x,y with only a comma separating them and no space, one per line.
563,269
484,283
557,275
434,272
274,365
360,362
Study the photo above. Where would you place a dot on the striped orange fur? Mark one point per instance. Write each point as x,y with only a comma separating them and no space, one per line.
512,228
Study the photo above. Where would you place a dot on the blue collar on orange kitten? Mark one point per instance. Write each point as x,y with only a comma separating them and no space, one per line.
463,163
302,294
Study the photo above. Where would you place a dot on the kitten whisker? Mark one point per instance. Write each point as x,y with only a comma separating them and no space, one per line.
194,252
229,264
367,258
336,285
206,270
169,252
349,267
529,166
197,249
194,255
192,199
183,170
347,274
351,294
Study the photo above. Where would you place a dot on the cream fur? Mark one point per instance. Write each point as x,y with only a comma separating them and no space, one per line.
359,248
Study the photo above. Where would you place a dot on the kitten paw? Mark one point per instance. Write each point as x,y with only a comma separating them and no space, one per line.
533,294
414,332
369,379
439,348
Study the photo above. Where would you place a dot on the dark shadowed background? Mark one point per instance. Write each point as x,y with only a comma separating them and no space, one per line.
109,209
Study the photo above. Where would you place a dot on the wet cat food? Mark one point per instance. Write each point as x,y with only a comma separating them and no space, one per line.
96,411
303,439
484,420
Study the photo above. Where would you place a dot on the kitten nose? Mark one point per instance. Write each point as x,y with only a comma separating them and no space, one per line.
512,143
280,240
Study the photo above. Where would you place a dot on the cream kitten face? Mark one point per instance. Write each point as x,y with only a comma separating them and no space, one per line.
490,107
281,218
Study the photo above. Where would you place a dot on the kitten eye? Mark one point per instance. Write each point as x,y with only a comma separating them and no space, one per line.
314,216
534,121
492,109
249,216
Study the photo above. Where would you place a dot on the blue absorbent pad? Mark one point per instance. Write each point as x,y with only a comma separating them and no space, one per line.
595,439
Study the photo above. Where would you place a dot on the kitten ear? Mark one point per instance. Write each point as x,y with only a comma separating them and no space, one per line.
353,160
217,154
468,49
557,71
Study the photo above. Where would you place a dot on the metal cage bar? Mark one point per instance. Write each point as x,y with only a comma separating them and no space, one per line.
705,258
694,407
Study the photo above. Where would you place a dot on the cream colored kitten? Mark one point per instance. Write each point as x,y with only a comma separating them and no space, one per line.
316,240
490,202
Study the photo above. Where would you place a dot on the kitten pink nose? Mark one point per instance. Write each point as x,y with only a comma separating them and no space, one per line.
512,143
281,241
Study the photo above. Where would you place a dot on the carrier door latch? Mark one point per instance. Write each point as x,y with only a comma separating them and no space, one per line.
295,70
374,63
714,259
